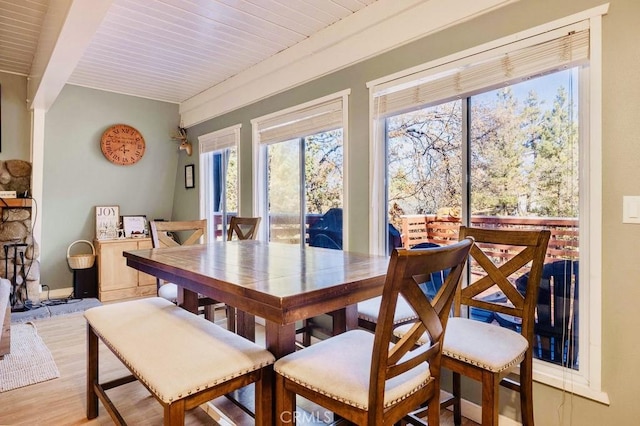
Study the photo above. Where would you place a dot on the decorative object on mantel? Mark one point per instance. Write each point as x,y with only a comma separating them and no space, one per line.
8,194
181,137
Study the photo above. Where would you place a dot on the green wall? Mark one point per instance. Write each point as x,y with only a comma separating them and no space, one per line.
15,118
77,177
621,174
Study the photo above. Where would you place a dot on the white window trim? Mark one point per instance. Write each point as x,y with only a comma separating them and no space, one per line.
587,382
259,167
213,143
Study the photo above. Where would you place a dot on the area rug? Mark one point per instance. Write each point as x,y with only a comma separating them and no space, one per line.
54,308
29,362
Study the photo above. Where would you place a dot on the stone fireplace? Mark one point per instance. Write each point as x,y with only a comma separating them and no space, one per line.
19,252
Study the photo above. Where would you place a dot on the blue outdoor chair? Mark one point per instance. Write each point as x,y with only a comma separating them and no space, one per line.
431,287
556,325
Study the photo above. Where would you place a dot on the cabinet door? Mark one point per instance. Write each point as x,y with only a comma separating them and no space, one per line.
114,272
145,279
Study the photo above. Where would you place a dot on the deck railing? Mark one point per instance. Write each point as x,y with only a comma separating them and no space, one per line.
418,229
283,227
563,244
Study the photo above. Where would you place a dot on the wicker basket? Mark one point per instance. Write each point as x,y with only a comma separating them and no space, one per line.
81,261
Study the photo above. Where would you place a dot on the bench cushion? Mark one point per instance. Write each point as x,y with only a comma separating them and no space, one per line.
174,352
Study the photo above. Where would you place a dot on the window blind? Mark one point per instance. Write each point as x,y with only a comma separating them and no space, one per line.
218,140
472,76
301,122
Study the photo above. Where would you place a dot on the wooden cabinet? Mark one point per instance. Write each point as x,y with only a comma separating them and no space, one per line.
116,280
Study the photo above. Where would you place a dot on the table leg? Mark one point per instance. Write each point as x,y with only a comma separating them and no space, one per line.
188,300
246,325
345,319
280,339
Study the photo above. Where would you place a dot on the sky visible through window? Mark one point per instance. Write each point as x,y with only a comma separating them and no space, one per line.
545,87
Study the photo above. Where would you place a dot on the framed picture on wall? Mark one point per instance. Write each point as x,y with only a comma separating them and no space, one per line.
188,176
107,222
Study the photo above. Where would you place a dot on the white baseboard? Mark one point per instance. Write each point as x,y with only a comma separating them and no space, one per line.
473,412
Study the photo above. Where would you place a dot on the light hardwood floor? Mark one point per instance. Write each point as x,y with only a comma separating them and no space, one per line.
62,401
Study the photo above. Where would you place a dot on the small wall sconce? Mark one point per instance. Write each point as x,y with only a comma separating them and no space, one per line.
181,137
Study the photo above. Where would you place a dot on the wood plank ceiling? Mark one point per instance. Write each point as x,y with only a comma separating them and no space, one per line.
20,26
171,50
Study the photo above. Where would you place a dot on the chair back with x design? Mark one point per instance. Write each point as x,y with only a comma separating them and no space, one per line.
245,228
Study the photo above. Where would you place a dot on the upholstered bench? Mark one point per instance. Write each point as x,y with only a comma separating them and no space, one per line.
182,359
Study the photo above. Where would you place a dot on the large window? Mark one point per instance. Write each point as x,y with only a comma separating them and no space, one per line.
300,178
304,190
219,179
502,137
521,146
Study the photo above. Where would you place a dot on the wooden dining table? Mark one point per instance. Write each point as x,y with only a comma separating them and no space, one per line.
282,283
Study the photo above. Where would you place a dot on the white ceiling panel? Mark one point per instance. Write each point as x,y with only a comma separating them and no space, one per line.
20,26
193,52
170,50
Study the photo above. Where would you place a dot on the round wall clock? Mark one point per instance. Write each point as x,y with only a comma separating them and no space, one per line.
122,144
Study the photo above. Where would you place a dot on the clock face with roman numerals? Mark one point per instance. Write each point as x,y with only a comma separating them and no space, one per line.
122,144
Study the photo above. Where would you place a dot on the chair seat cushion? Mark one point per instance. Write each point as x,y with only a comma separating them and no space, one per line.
168,291
339,368
425,339
174,352
488,346
369,310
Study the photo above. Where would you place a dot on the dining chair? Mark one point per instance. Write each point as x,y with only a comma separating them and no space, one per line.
181,233
372,379
368,310
488,352
242,228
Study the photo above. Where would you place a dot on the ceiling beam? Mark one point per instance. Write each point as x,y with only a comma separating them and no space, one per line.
67,30
380,27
